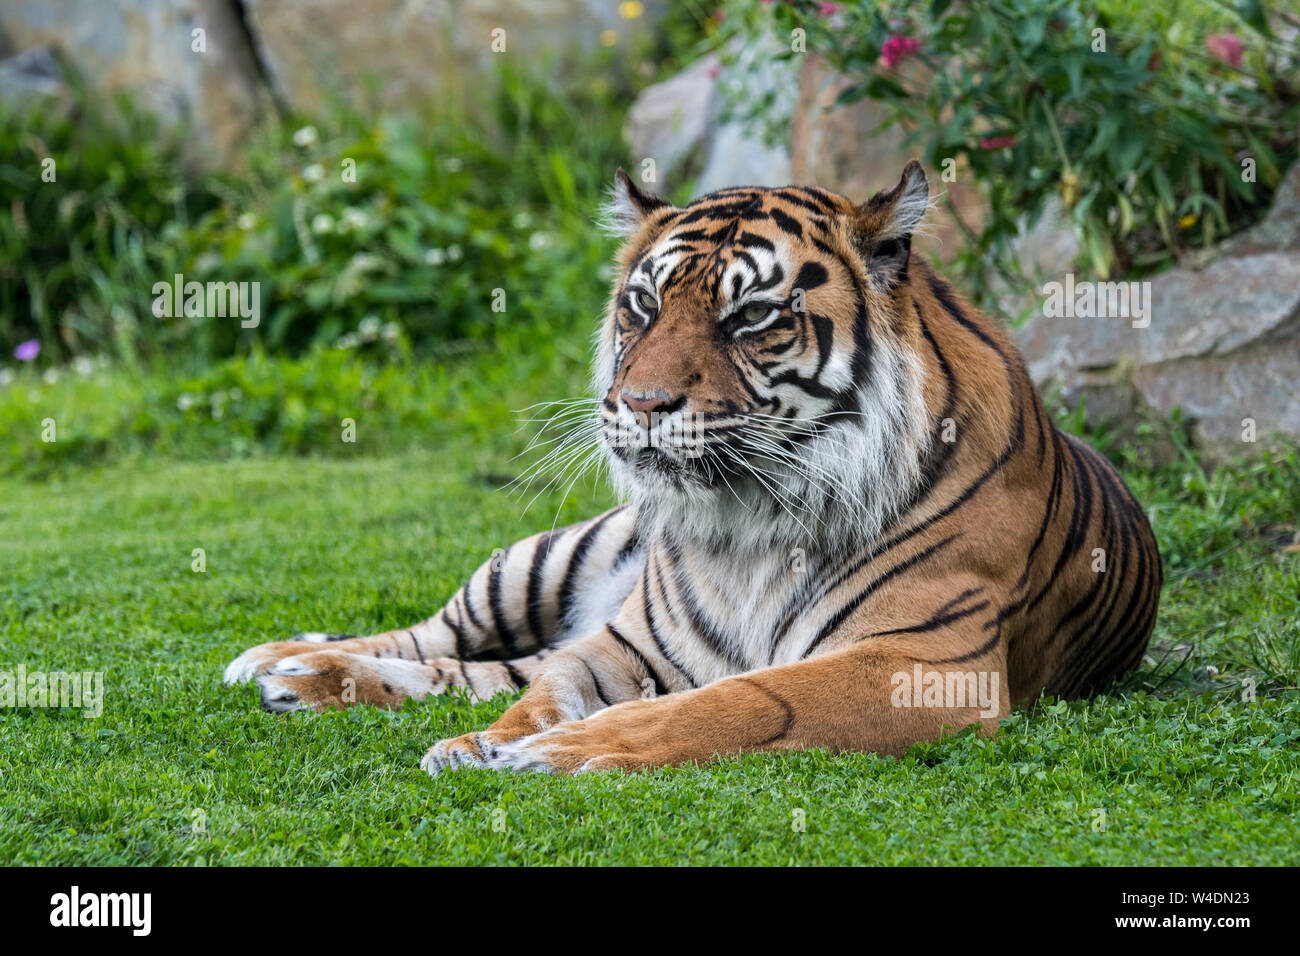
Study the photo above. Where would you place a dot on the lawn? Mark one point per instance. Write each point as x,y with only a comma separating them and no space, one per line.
96,574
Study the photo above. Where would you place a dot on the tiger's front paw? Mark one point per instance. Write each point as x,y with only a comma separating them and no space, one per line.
627,736
623,737
467,750
260,659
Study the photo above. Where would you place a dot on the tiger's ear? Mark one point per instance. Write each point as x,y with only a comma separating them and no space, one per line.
882,226
628,206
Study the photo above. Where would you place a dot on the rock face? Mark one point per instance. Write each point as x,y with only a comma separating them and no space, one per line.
683,123
401,53
148,46
845,149
302,54
1223,343
670,122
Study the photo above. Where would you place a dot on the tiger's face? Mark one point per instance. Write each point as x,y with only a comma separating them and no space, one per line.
753,354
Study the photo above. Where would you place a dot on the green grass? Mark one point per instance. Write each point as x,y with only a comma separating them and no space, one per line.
95,574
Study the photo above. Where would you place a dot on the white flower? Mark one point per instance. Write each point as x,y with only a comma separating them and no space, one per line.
82,365
304,137
313,173
51,376
322,223
454,253
522,220
353,218
185,402
452,164
435,257
369,328
236,394
6,376
347,341
538,241
246,221
391,332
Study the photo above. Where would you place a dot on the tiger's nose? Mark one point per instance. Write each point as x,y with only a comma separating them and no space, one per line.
647,404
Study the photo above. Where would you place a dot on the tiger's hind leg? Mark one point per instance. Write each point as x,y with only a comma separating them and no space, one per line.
329,679
527,600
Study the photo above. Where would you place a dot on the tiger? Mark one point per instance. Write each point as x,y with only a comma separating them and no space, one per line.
849,522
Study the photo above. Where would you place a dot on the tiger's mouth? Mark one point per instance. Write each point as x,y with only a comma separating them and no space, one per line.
652,463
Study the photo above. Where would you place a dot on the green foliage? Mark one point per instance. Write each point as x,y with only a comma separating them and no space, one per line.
453,226
257,404
1142,141
79,254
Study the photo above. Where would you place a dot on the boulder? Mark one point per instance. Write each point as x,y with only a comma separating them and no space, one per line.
845,148
687,124
147,46
305,54
670,123
398,53
32,73
1223,343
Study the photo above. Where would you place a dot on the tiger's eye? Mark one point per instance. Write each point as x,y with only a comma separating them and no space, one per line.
759,310
646,301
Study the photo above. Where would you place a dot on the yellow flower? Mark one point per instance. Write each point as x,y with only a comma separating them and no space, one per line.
630,9
1187,221
1069,189
608,37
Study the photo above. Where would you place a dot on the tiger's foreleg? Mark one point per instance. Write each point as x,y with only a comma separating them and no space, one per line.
516,606
876,695
619,664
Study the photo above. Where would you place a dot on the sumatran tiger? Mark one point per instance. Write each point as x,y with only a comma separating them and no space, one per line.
850,523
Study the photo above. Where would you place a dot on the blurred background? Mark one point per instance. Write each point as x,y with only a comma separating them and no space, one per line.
412,186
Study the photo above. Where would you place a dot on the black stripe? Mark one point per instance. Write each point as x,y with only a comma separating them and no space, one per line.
980,651
496,573
935,622
461,647
416,644
660,687
838,618
576,559
647,611
595,683
535,582
519,679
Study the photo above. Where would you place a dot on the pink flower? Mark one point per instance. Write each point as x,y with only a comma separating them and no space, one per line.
28,350
997,142
1225,47
893,50
713,71
826,9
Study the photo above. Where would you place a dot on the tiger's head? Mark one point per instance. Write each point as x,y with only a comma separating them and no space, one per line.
756,367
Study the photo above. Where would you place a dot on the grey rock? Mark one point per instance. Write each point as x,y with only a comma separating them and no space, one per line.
670,124
146,47
33,72
1223,344
685,123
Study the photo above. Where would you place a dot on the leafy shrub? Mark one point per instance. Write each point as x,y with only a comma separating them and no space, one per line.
1137,116
75,253
443,211
259,403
